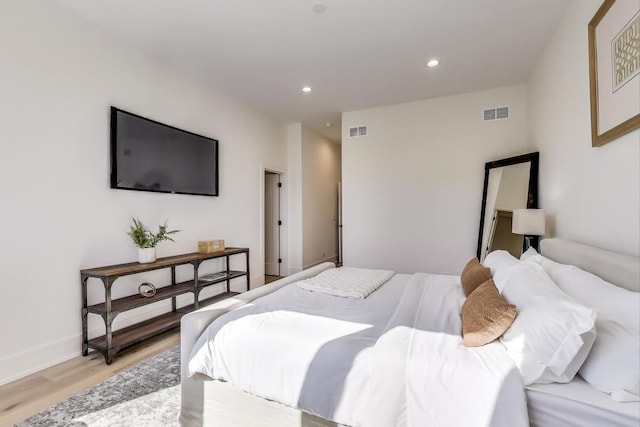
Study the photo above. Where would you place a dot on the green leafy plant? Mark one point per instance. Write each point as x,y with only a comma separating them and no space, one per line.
144,238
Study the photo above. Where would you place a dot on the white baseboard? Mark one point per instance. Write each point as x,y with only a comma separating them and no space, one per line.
37,358
332,258
43,356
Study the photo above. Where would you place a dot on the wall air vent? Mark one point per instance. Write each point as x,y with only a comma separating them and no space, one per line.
490,114
496,113
357,131
502,113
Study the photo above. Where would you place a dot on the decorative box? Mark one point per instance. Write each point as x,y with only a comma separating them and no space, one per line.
209,246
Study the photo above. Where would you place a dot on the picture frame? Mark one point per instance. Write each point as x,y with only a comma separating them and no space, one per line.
614,70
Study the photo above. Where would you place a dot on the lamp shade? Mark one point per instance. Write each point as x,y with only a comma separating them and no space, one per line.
528,222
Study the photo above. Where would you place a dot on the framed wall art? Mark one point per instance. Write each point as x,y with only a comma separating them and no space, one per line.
614,70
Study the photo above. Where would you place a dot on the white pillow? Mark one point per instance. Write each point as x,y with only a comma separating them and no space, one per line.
552,333
528,253
616,303
613,365
499,262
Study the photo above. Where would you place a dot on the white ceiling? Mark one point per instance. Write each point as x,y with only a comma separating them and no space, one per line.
357,54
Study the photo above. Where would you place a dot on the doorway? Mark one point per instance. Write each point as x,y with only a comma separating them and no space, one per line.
272,226
339,263
502,237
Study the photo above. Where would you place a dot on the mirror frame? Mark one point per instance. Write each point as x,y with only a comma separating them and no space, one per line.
532,199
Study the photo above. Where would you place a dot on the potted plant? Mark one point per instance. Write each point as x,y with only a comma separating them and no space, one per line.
146,241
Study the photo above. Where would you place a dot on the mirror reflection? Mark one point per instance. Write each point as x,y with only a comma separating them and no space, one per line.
509,184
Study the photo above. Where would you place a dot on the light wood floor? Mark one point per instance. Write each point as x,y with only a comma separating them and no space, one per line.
269,278
35,393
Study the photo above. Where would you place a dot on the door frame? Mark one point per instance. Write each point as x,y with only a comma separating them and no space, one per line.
284,266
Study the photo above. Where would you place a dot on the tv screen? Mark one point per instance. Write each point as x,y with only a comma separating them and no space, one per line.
150,156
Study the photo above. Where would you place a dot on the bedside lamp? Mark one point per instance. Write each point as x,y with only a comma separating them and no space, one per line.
529,222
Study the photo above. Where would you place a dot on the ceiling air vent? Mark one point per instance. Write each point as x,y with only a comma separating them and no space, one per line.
357,131
496,113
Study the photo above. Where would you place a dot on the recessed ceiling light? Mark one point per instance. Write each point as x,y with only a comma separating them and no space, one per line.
328,124
319,8
433,63
307,89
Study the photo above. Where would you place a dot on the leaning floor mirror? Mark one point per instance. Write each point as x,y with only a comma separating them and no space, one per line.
509,184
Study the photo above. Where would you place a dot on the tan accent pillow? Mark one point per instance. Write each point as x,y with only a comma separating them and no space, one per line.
485,315
473,275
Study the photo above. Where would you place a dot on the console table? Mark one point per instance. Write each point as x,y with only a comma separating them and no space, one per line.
112,342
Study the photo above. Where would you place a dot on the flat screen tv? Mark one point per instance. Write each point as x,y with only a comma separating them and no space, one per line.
151,156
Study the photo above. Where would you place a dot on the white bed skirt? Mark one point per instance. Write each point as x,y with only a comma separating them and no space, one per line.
224,405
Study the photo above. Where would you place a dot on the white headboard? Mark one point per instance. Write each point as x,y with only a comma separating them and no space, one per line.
619,269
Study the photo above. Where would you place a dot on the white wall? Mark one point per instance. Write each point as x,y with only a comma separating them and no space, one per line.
293,187
59,75
312,183
321,174
591,195
413,186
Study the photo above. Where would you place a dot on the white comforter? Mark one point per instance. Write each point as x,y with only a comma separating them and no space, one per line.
393,359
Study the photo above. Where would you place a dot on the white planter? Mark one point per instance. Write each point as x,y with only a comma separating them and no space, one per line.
146,255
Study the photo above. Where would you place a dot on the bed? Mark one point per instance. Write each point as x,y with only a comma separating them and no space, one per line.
376,359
